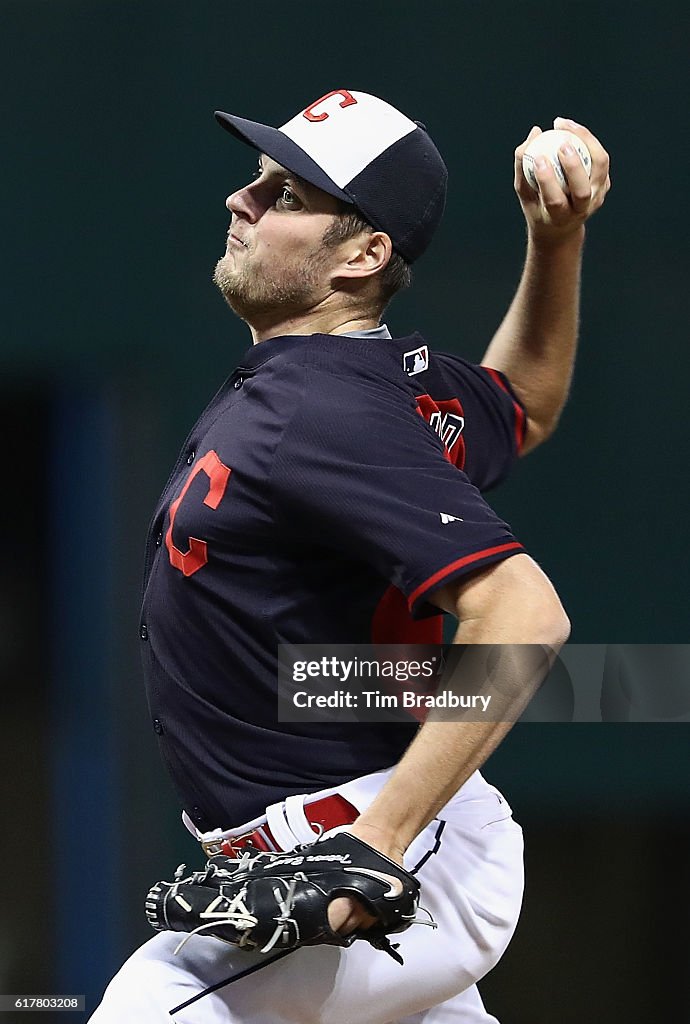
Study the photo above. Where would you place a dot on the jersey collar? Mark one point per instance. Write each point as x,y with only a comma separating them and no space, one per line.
257,355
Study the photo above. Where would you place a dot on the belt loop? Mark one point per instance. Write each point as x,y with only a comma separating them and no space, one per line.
190,826
297,820
280,830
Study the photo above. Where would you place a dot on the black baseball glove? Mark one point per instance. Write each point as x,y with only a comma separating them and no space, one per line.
279,901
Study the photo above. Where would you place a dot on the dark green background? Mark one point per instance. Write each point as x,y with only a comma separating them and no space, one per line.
114,180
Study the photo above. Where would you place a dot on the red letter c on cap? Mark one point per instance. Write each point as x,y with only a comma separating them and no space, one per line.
348,100
189,562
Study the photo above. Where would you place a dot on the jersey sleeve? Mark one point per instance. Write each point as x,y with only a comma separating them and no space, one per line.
371,479
495,419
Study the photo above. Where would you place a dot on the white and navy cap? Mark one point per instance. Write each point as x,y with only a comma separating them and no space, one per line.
362,150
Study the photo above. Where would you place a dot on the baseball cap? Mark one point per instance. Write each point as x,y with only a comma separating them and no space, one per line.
362,150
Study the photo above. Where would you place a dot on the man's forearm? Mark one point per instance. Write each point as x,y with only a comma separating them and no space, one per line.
511,612
441,758
447,750
536,342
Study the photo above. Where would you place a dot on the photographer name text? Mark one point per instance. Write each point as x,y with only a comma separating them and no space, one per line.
377,699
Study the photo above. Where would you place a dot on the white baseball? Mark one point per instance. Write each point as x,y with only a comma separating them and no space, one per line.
547,144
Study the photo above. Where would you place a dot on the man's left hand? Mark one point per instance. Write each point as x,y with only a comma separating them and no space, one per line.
345,913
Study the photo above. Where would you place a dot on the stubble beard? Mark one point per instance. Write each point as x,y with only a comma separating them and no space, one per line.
251,292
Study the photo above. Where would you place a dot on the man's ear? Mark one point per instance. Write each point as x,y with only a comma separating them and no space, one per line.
366,255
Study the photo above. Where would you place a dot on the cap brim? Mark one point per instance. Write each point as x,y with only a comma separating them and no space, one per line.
283,150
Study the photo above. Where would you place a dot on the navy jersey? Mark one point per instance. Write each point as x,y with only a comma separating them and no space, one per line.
331,485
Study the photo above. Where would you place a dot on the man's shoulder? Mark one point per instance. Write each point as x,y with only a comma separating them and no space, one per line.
352,392
360,368
405,360
327,375
359,376
435,371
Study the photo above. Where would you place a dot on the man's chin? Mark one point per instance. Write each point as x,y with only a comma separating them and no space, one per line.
252,298
230,288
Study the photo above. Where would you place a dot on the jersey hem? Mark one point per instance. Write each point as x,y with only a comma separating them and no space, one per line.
465,563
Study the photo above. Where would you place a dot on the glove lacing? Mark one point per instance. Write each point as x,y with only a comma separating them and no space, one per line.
237,915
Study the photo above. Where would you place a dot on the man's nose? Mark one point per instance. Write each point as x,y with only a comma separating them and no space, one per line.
242,204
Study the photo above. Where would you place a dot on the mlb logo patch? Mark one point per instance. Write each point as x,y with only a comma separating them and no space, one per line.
416,361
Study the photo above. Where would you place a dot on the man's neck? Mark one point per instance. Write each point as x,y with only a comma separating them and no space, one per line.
314,323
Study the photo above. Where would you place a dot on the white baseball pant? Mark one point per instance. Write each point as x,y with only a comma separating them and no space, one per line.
469,864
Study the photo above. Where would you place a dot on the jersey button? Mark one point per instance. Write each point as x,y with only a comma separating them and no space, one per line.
159,540
144,631
158,726
190,457
238,383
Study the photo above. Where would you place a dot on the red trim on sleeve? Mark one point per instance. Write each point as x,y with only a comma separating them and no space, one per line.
467,560
520,418
392,623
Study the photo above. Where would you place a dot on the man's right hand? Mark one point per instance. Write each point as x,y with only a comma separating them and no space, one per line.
551,215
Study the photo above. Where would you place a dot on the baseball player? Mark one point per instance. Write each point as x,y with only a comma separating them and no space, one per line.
331,492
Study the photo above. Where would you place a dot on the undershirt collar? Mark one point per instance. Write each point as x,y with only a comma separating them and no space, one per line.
258,354
372,332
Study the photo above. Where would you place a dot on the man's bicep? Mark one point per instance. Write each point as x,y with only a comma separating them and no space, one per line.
477,595
510,602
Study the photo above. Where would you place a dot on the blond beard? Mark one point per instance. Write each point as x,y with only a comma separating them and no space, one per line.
249,292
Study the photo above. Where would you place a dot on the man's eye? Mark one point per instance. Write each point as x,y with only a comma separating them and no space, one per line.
288,198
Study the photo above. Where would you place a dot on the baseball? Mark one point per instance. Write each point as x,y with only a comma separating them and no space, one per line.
547,144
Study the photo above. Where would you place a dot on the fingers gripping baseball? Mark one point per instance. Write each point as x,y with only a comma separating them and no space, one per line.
551,213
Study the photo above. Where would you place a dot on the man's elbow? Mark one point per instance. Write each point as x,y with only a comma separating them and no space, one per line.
536,432
542,616
552,625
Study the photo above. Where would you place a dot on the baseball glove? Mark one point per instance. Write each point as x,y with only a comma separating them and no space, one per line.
279,901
